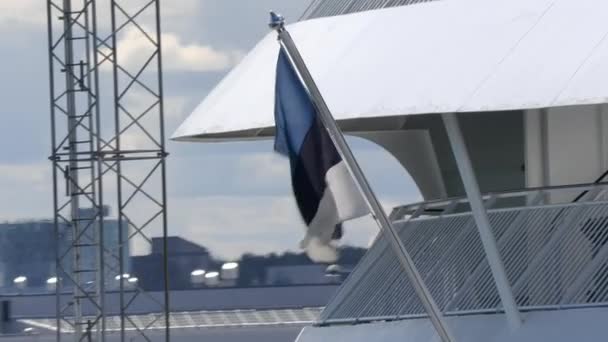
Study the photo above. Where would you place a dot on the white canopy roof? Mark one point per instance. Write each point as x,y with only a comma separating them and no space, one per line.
445,56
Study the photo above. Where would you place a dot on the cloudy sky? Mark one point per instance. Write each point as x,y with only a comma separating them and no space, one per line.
231,197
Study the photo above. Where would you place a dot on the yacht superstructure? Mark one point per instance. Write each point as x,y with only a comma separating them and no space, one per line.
525,81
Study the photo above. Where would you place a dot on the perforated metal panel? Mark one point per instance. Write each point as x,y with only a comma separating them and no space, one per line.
555,256
327,8
201,319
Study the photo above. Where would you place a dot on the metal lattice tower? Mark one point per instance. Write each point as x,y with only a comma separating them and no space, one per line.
108,150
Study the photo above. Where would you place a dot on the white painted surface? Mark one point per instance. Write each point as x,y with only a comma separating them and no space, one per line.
566,145
573,325
413,148
535,148
445,56
573,145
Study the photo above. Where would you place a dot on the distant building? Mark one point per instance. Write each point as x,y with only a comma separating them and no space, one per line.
292,268
298,275
183,257
28,249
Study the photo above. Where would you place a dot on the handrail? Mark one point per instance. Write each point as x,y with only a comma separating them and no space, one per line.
555,254
435,205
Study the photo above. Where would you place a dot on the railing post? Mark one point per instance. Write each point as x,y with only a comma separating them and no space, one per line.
481,219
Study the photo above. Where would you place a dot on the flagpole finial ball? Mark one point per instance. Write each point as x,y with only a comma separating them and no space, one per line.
276,21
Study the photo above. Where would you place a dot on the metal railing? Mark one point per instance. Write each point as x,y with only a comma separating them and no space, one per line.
326,8
555,253
200,319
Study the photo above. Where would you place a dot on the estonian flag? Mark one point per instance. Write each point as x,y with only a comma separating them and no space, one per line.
324,189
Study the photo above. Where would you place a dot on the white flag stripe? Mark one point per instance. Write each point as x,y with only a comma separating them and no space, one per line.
349,202
341,201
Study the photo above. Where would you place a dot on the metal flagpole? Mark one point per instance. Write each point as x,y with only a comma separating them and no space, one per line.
278,23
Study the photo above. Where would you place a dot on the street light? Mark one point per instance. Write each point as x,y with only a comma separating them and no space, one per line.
132,282
122,279
197,277
20,281
212,278
230,271
123,276
51,283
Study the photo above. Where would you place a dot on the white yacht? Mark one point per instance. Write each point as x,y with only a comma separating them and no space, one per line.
497,109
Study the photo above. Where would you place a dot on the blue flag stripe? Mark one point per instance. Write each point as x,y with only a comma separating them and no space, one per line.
291,99
303,138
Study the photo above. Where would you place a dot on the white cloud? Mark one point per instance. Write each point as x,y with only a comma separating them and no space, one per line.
265,168
180,56
33,12
231,202
136,102
176,10
23,12
135,49
177,16
134,141
176,106
33,174
230,226
26,191
209,173
235,218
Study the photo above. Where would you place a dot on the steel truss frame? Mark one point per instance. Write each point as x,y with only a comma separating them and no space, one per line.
98,169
